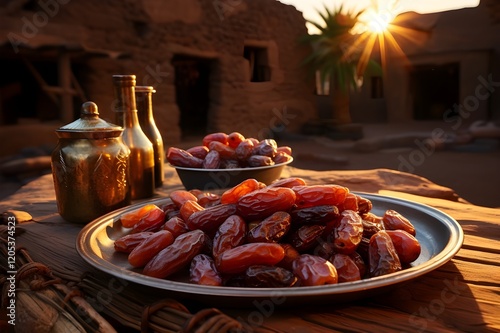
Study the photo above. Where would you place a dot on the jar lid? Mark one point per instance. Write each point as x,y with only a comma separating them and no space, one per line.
89,126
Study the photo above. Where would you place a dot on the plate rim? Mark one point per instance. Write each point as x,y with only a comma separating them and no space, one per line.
453,245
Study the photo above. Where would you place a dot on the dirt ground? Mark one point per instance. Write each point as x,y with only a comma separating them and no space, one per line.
471,169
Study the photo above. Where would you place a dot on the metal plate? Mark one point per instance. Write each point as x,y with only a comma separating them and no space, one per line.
440,237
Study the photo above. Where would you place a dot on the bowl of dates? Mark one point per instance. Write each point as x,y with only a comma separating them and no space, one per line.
225,160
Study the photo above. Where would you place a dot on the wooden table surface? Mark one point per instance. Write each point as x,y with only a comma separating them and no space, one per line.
463,295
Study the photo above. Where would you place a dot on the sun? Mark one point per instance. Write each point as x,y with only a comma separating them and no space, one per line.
377,21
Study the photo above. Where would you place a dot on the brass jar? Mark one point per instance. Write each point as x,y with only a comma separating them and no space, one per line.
90,167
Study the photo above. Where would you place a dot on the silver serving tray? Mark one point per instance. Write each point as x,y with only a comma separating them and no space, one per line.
440,237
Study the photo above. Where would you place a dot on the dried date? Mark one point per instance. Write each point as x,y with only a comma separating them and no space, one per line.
176,226
348,234
231,233
233,194
260,276
218,136
203,271
383,258
406,245
150,247
177,255
210,219
212,160
271,229
182,158
317,195
393,221
128,242
347,270
306,237
314,215
261,203
238,259
312,270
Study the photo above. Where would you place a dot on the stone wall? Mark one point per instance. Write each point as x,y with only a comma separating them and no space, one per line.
147,35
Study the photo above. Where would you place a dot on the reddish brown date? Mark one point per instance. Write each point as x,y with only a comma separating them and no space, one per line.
150,247
406,245
128,242
262,203
312,270
394,221
152,221
259,160
260,276
288,182
281,157
364,205
207,199
306,237
210,219
179,197
383,258
347,270
182,158
176,226
266,147
212,160
290,255
271,229
177,255
203,271
189,208
370,228
235,193
231,233
238,259
198,151
234,139
218,136
314,215
129,219
225,152
358,260
350,203
317,195
244,149
284,149
348,234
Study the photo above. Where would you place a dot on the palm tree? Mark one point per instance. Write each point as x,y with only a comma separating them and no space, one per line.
336,56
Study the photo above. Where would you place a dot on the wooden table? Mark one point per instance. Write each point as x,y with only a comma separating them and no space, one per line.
461,296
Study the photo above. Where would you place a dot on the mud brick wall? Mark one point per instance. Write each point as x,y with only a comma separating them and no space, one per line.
148,34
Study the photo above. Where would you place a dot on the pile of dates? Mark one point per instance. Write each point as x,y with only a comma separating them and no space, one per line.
229,151
280,235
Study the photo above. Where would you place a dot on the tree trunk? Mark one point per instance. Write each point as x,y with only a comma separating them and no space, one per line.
340,104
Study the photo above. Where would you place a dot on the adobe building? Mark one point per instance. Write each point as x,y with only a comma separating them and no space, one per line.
216,65
449,72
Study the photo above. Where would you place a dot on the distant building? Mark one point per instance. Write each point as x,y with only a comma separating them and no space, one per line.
217,65
450,70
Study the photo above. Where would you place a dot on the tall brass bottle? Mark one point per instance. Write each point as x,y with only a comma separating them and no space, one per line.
141,149
144,100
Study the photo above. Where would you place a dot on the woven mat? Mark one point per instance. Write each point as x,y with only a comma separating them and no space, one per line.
90,301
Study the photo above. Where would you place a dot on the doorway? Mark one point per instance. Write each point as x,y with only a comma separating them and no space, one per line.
435,89
192,86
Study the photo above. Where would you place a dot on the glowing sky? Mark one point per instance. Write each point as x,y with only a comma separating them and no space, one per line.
309,8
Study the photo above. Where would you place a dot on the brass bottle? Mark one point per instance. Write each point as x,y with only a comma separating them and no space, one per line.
144,100
141,149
